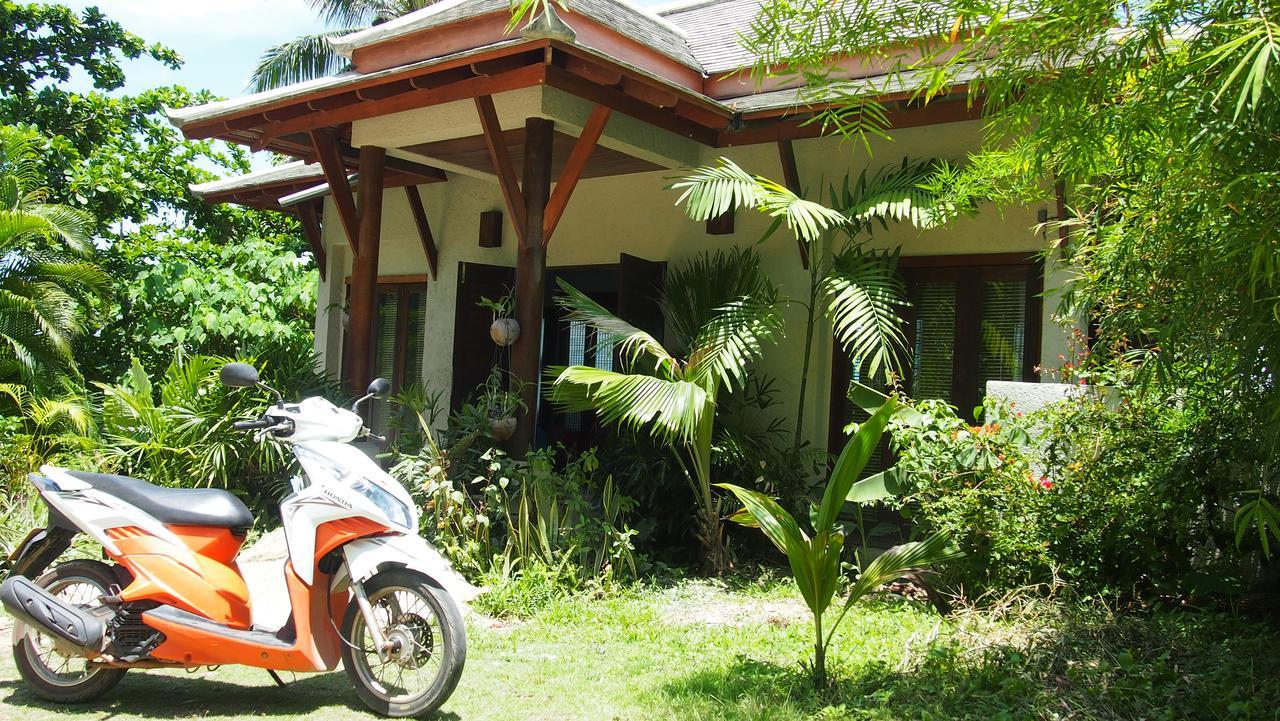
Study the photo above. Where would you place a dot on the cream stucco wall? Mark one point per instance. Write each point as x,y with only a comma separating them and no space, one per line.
634,214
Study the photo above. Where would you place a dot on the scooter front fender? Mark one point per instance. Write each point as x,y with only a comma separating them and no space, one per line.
367,556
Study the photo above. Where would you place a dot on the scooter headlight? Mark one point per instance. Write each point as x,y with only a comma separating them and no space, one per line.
395,509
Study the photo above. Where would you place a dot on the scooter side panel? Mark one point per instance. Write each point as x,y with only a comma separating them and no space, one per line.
198,583
315,647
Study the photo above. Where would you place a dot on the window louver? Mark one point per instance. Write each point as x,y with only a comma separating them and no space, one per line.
935,340
1004,332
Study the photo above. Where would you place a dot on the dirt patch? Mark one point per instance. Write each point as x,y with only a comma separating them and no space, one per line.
712,604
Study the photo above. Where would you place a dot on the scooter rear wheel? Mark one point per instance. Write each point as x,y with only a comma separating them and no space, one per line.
427,645
48,673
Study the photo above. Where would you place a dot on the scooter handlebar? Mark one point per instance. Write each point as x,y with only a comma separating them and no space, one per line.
254,425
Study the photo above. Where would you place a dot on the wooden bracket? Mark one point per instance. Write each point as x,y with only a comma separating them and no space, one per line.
335,174
501,160
424,228
791,178
311,229
572,171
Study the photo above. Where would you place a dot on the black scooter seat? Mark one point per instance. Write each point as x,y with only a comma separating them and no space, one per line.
173,506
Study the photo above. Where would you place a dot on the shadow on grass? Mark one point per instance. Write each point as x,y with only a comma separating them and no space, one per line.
1128,668
166,696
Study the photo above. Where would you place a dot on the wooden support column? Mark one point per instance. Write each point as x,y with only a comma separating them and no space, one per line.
364,272
791,179
531,268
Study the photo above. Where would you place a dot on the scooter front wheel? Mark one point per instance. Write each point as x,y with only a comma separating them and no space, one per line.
425,645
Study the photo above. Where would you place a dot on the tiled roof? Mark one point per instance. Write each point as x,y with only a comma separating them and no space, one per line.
714,28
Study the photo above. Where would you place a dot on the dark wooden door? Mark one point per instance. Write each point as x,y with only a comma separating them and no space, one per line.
474,353
640,285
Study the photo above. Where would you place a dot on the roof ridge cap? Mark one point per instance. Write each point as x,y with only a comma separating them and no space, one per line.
345,44
676,6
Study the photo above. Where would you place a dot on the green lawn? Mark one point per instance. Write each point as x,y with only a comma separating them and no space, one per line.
699,651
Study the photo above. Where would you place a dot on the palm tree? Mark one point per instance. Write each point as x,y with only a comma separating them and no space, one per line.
311,56
858,288
45,283
722,310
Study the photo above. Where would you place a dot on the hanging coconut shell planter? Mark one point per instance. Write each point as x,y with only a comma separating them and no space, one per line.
502,428
505,329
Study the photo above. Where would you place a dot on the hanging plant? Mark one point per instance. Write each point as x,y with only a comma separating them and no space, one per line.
501,399
505,329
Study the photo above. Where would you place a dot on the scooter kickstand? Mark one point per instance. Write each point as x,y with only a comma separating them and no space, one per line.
276,677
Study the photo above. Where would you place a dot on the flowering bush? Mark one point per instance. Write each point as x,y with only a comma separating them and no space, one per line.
1129,493
981,485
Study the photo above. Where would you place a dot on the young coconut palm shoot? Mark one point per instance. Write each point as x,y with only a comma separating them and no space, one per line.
815,557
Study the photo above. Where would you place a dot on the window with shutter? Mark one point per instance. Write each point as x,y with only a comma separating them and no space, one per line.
398,341
972,319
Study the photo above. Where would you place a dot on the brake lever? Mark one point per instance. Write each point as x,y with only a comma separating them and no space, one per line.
261,435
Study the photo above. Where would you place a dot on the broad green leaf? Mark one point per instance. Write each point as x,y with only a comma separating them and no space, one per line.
886,484
849,465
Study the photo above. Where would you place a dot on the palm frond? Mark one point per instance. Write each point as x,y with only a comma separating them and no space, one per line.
348,13
72,226
697,289
894,193
732,339
862,293
713,190
632,342
673,408
304,58
896,561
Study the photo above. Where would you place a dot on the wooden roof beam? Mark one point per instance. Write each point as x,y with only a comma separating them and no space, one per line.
310,217
572,171
501,159
424,228
575,84
410,100
335,173
427,173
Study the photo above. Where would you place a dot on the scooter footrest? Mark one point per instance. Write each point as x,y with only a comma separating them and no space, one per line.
180,617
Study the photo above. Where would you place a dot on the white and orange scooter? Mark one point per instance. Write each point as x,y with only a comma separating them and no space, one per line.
363,586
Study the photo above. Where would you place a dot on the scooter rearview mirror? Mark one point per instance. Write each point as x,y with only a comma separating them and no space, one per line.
239,375
379,388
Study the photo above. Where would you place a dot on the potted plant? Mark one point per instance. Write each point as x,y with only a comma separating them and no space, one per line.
505,329
501,400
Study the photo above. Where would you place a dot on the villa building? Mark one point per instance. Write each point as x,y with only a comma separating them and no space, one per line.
456,160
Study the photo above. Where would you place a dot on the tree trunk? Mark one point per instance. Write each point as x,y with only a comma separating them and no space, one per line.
819,654
715,555
808,351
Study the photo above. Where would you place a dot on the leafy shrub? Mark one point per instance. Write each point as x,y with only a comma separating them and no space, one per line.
494,516
527,591
978,484
1123,493
175,432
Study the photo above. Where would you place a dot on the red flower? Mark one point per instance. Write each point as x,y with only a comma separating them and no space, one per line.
1046,484
1082,382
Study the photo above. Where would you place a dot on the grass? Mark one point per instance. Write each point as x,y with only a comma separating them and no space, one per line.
702,651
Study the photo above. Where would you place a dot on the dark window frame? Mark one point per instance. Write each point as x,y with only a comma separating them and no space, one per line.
969,272
403,286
